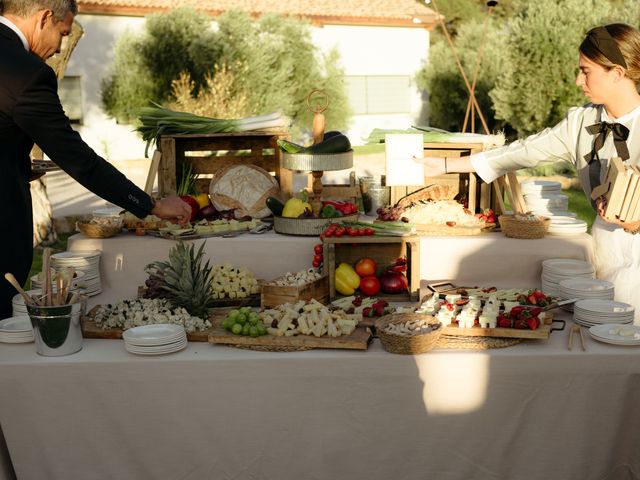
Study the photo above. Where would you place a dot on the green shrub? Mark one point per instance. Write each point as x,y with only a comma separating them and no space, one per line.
536,85
273,59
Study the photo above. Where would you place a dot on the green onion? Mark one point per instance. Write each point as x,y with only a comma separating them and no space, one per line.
156,121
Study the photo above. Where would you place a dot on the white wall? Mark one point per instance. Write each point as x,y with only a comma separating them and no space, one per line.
378,51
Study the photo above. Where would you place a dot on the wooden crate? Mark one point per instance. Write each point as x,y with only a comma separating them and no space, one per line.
206,154
384,250
274,295
479,194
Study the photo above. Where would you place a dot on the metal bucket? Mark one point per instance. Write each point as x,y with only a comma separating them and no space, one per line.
57,329
367,184
378,197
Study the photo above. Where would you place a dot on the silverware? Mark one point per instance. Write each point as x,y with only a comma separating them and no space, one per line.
574,329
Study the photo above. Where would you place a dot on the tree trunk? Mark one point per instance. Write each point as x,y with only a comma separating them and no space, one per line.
43,231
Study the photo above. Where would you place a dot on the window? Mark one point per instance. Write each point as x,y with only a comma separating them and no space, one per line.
378,94
70,92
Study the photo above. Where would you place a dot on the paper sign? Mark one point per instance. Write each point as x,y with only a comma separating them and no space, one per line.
399,151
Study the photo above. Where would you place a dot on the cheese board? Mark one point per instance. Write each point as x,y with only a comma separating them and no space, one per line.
90,329
358,340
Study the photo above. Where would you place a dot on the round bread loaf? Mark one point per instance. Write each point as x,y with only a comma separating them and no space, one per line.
244,188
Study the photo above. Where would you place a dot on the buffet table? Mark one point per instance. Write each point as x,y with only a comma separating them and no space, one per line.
489,259
534,411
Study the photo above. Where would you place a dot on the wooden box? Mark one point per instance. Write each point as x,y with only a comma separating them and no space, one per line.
620,188
384,250
206,154
479,194
274,295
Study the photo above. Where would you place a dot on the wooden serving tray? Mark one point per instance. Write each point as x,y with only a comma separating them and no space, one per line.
541,333
446,230
90,329
358,340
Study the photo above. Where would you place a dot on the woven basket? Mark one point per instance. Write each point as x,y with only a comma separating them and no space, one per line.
94,230
517,228
407,344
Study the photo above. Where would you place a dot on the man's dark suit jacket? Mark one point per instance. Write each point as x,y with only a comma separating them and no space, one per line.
30,111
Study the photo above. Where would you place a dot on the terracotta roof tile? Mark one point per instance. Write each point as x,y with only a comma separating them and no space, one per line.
357,12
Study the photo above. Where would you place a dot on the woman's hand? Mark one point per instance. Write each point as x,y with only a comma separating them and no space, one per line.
433,166
601,204
172,208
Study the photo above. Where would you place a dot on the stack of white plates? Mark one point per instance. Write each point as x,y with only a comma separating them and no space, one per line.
155,339
87,262
584,288
555,270
36,283
616,334
17,302
544,198
593,311
564,226
16,330
540,187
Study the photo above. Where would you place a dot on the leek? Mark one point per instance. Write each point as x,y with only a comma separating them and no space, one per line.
157,120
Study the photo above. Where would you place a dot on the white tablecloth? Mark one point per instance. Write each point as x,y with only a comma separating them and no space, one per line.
490,259
531,411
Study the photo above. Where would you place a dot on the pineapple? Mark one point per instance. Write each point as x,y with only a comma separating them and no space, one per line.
185,280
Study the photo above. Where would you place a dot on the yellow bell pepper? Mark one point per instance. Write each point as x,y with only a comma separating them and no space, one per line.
346,279
202,199
294,207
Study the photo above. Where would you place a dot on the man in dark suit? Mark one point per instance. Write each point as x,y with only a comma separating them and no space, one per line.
30,32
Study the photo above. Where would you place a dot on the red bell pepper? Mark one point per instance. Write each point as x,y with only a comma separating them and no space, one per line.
346,208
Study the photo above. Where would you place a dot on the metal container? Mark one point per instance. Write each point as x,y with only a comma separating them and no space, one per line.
366,184
377,197
57,329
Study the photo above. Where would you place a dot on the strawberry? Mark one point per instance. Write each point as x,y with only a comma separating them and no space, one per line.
357,301
366,311
532,300
533,323
379,309
504,322
520,324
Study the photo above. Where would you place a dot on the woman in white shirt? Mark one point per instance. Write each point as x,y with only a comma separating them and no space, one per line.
588,137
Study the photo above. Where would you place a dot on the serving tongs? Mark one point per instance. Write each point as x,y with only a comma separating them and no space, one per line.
574,329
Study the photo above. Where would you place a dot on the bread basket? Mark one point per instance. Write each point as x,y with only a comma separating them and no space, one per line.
524,226
96,230
408,344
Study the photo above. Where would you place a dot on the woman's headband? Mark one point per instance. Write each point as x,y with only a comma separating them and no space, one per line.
600,39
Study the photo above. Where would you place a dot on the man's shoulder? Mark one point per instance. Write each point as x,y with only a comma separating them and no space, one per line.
19,67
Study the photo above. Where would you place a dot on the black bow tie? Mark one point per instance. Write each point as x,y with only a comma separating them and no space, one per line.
602,129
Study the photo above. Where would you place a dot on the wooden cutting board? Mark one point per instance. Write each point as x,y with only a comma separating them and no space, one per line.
90,329
542,332
445,230
358,340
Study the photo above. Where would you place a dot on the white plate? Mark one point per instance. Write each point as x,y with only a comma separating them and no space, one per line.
77,255
586,285
16,324
602,333
136,342
17,339
604,307
153,334
566,266
150,351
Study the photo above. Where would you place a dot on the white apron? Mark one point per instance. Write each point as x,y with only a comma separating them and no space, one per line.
617,259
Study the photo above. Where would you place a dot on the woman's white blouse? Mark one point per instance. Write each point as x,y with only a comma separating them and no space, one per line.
568,140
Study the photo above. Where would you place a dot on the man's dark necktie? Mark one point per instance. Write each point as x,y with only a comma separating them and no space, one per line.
601,130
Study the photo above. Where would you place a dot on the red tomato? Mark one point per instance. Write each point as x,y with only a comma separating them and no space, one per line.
369,231
317,249
318,258
315,263
370,285
366,267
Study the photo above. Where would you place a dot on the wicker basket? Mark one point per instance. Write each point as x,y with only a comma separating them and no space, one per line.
519,228
407,344
95,230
